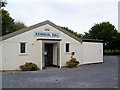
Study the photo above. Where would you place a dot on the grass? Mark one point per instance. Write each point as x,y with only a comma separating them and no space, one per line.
8,70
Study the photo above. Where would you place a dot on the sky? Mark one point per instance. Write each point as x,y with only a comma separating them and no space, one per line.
78,15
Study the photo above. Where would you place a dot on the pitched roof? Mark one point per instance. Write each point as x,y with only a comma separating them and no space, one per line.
38,25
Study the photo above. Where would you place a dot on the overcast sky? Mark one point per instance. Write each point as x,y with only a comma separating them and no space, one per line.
78,15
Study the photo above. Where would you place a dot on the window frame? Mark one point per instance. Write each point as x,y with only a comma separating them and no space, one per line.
21,48
67,47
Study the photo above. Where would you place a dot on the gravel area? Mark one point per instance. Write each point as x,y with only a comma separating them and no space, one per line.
102,75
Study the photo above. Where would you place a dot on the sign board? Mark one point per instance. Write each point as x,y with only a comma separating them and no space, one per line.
46,34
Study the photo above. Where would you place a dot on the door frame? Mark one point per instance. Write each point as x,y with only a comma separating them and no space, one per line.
43,53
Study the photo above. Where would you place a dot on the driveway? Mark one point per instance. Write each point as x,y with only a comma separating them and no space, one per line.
103,75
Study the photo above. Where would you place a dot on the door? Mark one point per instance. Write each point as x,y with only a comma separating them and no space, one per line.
48,55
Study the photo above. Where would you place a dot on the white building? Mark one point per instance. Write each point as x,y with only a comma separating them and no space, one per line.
46,44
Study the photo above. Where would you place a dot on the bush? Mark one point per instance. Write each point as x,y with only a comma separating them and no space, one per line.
72,63
109,52
29,67
34,66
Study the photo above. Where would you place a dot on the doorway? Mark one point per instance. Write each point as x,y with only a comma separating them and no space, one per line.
48,55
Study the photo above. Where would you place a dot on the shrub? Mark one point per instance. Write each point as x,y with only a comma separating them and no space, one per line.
72,63
34,66
29,67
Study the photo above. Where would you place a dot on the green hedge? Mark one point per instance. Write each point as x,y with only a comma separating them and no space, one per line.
109,52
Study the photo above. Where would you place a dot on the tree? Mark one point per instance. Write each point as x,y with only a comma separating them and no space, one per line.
71,31
114,44
8,23
118,41
19,25
86,35
104,31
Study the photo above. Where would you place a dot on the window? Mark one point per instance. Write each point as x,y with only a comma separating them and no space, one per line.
67,47
22,47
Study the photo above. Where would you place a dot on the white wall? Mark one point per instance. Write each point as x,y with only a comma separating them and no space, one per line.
66,56
12,59
92,52
74,46
55,54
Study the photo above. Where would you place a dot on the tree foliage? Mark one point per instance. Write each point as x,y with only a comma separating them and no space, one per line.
71,31
107,32
19,25
8,23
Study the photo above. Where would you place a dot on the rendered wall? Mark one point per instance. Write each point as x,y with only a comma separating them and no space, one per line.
66,56
12,59
92,52
55,54
74,46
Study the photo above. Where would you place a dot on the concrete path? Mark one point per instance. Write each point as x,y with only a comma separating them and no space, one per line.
103,75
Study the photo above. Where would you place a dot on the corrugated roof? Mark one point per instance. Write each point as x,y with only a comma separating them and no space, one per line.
38,25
